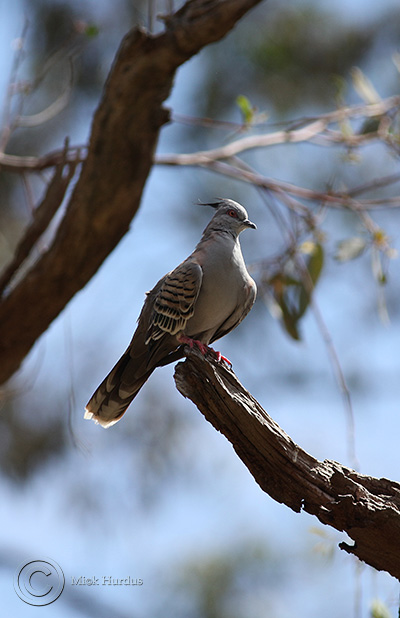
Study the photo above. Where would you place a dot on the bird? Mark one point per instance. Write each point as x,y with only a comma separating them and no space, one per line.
201,300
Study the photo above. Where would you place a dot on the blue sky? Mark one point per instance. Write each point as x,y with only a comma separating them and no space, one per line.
83,510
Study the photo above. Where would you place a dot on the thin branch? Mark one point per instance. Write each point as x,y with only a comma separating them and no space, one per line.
42,216
304,134
51,110
377,183
29,194
341,381
336,200
16,163
203,157
325,334
7,115
306,129
207,122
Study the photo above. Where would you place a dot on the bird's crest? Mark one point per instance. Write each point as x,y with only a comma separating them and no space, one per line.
215,204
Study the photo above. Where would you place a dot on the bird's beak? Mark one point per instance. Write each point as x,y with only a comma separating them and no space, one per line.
248,223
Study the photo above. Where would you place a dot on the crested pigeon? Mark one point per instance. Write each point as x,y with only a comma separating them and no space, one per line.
201,300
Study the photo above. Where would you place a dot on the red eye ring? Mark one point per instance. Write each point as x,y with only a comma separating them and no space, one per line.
233,213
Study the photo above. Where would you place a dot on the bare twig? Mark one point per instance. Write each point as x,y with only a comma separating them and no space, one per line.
207,122
15,163
305,130
7,122
304,134
203,157
29,194
331,198
339,375
377,183
51,110
42,216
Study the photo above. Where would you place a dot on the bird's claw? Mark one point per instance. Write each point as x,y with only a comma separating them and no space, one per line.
220,358
194,342
205,349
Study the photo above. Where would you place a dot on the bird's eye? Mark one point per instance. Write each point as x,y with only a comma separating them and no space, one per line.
233,213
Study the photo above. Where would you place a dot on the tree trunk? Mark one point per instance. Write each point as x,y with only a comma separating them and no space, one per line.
107,195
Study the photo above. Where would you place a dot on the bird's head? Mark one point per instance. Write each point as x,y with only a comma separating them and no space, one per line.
229,216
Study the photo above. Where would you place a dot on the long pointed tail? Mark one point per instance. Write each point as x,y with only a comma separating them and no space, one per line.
111,399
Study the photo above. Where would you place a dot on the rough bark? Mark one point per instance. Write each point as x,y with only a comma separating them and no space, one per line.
107,195
366,508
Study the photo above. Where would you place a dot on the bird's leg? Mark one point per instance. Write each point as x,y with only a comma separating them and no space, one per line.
204,349
194,342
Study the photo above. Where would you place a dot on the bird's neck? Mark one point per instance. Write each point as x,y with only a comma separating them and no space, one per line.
225,246
216,233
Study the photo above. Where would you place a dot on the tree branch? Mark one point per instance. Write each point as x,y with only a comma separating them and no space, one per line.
107,195
366,508
42,216
20,163
332,199
312,129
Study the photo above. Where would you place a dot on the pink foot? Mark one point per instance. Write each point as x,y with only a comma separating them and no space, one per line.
221,358
194,342
204,349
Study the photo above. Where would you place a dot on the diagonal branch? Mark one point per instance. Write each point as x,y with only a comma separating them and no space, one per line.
107,195
332,199
311,130
21,163
366,508
42,216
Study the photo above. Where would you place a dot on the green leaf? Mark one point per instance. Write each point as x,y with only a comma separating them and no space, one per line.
364,87
314,265
292,295
377,268
379,610
370,125
290,320
281,303
315,261
246,108
92,31
350,248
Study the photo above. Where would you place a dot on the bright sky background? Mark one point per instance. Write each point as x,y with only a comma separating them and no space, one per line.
224,506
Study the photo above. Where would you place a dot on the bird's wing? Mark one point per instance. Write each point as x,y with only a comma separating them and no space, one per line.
174,303
165,312
239,313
